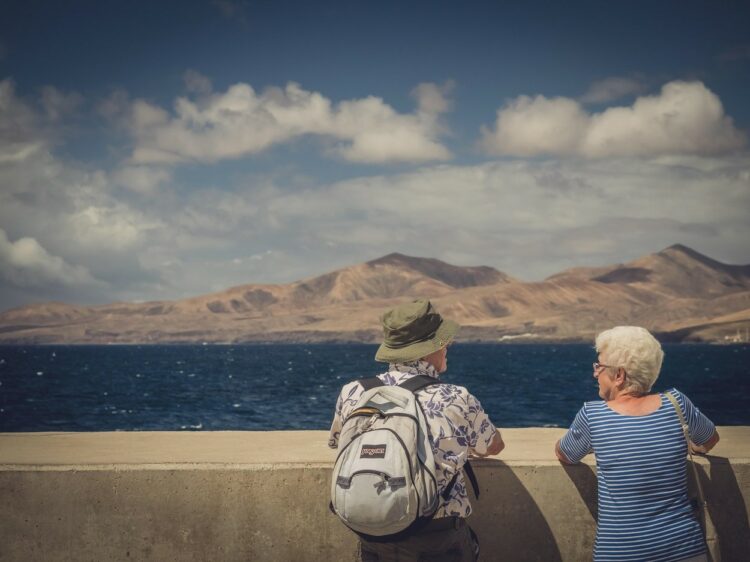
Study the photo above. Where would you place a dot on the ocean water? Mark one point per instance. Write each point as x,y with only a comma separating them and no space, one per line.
264,387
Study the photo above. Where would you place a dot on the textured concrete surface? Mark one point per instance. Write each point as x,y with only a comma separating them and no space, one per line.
263,496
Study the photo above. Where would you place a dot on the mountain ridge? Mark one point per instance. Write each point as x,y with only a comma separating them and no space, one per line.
667,291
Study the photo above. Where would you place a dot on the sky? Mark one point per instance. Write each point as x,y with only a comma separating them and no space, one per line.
160,150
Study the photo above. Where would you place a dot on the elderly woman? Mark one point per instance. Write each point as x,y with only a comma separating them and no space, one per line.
640,449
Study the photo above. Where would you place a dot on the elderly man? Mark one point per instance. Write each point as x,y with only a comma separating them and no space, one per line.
415,343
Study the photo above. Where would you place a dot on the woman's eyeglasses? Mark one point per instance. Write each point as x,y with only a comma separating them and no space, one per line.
599,366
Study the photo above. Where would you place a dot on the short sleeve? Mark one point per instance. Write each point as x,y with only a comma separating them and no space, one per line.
347,399
482,429
336,424
576,443
701,428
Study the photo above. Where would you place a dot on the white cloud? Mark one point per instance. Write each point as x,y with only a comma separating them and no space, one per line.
684,118
58,104
145,180
26,128
25,263
529,218
18,124
115,107
432,99
145,235
197,83
105,224
74,235
241,122
613,88
530,126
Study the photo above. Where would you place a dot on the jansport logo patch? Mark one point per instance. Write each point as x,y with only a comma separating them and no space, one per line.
372,452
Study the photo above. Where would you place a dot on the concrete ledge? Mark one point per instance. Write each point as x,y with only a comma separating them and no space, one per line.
264,496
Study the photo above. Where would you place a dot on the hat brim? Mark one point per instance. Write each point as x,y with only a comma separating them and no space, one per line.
442,337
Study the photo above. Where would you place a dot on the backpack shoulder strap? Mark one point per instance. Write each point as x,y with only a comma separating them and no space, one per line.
469,472
370,382
420,381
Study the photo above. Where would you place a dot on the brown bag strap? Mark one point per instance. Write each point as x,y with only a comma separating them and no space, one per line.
686,433
707,525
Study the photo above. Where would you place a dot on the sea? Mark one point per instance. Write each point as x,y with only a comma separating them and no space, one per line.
278,387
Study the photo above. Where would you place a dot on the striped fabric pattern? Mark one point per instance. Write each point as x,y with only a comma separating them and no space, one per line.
644,509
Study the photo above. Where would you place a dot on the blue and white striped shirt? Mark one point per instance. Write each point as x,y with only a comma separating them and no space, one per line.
644,510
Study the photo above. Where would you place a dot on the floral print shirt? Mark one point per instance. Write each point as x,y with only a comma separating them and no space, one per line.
458,425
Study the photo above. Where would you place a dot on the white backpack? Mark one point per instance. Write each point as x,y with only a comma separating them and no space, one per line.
384,481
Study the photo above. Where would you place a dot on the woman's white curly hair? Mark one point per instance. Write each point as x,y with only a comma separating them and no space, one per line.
634,349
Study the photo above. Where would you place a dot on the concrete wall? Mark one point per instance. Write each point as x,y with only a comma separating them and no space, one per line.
264,496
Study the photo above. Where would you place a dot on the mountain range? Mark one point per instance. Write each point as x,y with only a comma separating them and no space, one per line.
678,293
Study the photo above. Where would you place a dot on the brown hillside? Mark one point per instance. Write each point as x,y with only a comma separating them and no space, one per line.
677,292
677,270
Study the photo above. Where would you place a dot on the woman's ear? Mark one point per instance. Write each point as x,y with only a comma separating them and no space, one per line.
620,376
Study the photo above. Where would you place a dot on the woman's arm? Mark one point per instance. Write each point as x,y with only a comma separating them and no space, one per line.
701,429
707,446
560,455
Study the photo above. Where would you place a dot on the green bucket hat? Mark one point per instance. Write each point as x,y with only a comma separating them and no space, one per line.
412,331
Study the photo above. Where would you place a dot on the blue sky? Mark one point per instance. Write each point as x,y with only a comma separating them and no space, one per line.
153,150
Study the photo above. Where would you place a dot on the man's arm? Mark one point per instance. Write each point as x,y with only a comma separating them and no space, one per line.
494,448
497,444
707,446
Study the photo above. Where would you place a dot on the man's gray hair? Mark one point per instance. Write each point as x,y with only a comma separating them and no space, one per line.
635,350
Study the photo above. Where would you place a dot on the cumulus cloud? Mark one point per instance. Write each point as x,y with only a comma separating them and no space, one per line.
544,215
197,83
612,88
684,118
115,107
530,126
58,104
26,263
29,127
18,124
67,230
145,180
241,122
140,232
